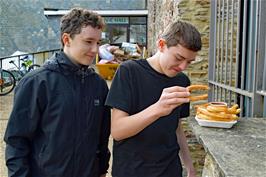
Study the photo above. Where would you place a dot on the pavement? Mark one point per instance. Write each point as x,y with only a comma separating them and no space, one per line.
6,103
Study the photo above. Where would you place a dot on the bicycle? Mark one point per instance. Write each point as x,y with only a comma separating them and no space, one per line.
9,78
7,82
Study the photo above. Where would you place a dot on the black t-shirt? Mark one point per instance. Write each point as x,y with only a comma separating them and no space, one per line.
153,152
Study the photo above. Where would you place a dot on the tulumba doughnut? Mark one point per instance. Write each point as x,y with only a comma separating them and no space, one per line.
199,97
218,111
217,107
206,117
233,109
204,105
198,87
220,115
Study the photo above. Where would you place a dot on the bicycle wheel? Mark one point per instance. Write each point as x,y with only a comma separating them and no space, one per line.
33,67
7,82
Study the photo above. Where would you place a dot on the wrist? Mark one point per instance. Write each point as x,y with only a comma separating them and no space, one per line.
155,111
191,171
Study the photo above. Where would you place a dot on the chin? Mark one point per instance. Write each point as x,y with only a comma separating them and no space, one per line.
87,63
171,74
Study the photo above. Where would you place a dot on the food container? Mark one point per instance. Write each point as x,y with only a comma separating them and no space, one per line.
107,71
218,104
217,124
217,114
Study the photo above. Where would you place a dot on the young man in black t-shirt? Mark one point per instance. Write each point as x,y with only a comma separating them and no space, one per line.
149,97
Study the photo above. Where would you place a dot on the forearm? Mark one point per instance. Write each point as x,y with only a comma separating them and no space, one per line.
127,126
184,150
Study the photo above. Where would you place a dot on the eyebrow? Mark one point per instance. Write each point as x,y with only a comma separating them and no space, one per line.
178,55
93,39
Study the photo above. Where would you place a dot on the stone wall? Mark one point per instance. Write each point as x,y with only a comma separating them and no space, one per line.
197,12
211,168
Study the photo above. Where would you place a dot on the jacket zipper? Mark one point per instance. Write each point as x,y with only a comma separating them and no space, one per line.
83,75
75,172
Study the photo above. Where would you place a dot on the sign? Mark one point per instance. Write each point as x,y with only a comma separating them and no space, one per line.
116,20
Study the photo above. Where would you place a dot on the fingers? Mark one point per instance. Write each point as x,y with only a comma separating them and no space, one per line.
198,87
183,94
175,95
176,89
172,97
177,101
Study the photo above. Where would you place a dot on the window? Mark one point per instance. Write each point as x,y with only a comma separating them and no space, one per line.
115,34
125,29
138,30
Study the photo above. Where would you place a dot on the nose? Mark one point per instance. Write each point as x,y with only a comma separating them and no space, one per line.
95,48
183,65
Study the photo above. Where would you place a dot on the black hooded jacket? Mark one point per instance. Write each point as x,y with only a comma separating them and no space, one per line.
59,126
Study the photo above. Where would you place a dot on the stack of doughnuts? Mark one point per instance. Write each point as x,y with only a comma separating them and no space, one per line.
198,97
218,111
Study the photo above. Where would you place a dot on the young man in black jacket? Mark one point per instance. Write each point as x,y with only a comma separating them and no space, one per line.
149,99
59,125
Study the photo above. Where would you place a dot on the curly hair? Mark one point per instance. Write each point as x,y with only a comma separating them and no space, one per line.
182,33
77,18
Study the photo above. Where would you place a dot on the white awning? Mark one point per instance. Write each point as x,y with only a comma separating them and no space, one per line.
103,12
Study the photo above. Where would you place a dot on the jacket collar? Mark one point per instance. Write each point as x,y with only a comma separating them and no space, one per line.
61,63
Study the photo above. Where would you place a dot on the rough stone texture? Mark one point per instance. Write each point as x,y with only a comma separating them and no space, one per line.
211,168
235,152
197,12
197,151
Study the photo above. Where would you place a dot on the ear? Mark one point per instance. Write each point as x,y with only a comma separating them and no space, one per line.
161,44
66,39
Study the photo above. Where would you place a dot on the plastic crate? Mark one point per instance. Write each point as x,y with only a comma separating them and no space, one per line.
107,71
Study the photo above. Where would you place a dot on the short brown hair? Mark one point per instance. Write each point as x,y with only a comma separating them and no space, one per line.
182,33
77,18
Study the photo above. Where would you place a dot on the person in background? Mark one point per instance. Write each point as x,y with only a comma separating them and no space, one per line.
59,125
149,99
